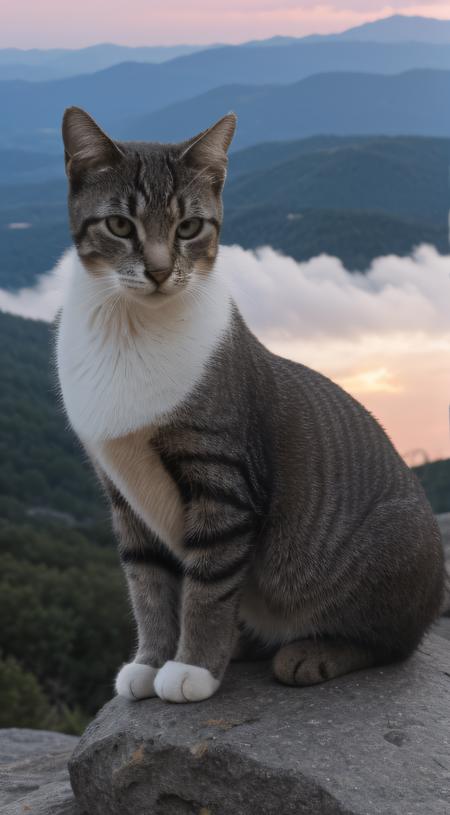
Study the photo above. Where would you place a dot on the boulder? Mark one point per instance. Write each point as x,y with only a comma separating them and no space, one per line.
33,773
375,742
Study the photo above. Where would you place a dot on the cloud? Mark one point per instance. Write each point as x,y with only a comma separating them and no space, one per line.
42,301
283,299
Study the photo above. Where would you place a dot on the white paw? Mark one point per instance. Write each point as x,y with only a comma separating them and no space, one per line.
136,681
178,682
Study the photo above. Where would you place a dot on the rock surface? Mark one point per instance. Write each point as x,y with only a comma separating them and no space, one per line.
33,773
372,743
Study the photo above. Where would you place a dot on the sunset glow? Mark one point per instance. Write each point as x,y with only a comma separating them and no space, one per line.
52,24
402,379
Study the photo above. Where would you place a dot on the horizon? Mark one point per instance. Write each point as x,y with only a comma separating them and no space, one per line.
254,19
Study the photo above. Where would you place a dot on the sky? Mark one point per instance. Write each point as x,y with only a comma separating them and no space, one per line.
383,336
52,23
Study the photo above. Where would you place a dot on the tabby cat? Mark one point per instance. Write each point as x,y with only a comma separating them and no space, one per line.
256,504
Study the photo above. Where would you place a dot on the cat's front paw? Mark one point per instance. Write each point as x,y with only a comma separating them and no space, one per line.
178,682
136,681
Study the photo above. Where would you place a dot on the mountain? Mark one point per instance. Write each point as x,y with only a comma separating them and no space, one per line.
338,103
403,176
356,237
353,197
21,166
39,65
31,112
396,28
399,28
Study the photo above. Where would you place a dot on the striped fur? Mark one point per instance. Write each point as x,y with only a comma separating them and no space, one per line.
267,502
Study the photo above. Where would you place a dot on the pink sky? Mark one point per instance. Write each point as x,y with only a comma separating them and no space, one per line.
52,23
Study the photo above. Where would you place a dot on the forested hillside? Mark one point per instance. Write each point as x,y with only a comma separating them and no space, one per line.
66,624
65,619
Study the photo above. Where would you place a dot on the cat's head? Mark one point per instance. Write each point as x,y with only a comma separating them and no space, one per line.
145,216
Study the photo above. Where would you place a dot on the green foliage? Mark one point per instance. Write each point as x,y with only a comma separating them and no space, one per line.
23,702
65,615
435,479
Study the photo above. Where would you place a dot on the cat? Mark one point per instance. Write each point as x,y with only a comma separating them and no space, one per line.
257,505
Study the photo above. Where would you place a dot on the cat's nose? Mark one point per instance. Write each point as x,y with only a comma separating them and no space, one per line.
157,261
158,276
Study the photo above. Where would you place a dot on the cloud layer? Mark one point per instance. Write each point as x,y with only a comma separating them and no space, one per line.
283,299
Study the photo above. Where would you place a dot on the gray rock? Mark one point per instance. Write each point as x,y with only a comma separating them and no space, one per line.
33,773
19,743
372,743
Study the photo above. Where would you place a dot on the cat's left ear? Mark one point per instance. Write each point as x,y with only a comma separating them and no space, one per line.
209,148
86,146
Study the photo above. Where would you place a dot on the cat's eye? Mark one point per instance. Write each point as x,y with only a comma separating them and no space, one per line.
189,228
120,227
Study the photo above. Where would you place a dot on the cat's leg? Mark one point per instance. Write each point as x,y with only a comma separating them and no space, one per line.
216,565
153,577
307,662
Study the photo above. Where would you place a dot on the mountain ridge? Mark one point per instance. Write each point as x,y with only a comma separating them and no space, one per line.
328,103
36,64
32,111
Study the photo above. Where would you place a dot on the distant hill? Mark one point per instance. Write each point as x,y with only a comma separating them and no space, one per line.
356,237
339,103
22,166
394,29
353,197
402,176
399,28
36,65
31,112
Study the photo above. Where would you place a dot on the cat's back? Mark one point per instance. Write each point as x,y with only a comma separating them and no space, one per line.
344,460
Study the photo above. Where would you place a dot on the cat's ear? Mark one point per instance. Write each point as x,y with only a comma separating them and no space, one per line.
209,148
86,146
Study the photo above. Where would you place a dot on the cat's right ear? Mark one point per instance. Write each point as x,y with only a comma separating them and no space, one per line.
86,146
209,148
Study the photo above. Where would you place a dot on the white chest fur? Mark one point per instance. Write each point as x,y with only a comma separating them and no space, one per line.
124,364
136,470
